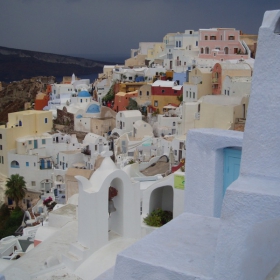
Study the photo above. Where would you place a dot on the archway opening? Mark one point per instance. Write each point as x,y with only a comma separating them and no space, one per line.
115,218
162,198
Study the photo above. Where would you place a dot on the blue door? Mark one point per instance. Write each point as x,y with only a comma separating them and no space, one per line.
232,157
35,144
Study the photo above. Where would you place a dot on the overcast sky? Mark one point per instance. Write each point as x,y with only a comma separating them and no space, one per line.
113,27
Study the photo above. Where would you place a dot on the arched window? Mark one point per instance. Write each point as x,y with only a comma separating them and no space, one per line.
201,50
14,164
207,50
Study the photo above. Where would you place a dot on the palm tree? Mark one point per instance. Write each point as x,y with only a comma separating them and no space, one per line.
16,188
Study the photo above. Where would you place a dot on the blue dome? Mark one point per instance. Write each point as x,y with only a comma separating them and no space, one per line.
93,108
84,93
79,116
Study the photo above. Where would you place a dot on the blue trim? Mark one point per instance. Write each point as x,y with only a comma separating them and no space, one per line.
232,158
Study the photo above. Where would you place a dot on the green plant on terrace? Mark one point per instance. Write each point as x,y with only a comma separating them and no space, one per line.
158,218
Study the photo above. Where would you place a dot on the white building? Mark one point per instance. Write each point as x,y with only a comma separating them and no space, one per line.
237,86
125,121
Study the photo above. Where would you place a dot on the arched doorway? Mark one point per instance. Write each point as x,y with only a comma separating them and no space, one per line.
162,198
115,218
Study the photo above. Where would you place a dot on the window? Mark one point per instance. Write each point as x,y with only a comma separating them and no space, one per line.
162,90
95,147
206,37
148,93
180,44
2,159
81,100
14,164
30,142
27,164
34,164
212,37
190,47
130,78
207,50
187,93
175,91
43,141
176,44
33,183
175,152
174,124
140,92
225,92
1,147
201,50
156,103
196,43
46,120
231,37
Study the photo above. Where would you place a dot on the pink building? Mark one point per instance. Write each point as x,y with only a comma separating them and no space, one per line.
222,44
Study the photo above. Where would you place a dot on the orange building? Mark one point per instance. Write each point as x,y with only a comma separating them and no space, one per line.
122,100
42,98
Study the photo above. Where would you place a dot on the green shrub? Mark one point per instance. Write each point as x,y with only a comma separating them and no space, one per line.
158,218
11,223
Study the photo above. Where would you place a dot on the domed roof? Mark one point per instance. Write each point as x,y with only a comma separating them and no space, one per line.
84,93
93,108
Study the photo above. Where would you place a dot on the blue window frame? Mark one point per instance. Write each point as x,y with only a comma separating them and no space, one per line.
43,141
27,164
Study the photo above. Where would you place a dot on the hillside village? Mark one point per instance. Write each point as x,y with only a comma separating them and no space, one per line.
163,132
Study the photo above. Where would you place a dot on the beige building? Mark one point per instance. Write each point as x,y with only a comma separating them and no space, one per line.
20,124
138,60
155,52
221,111
144,95
199,84
101,126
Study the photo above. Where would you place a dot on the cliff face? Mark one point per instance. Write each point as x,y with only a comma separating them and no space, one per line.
16,65
15,94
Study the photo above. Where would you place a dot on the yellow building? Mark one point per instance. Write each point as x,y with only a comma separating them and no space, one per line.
199,84
20,124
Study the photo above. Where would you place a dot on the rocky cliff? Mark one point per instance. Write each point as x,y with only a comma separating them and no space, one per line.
14,95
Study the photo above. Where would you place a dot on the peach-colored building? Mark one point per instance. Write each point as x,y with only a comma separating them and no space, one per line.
222,44
221,70
122,100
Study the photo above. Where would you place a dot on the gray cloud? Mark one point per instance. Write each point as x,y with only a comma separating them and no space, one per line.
113,27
